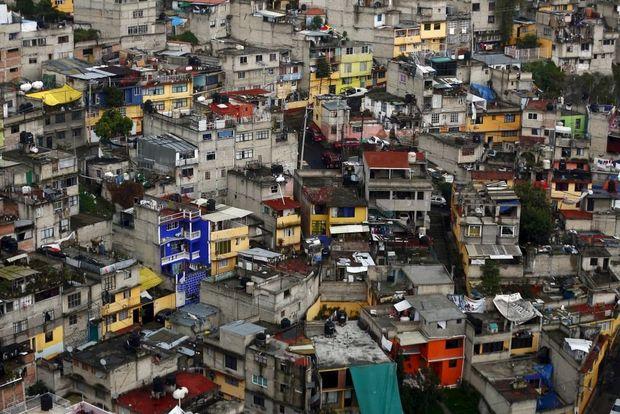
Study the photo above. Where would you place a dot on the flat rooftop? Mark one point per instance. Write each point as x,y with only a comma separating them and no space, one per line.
435,308
503,374
349,346
435,274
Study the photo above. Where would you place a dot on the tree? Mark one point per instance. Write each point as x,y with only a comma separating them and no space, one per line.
83,35
505,13
188,37
316,23
113,97
112,125
548,77
529,41
37,388
536,218
489,281
323,70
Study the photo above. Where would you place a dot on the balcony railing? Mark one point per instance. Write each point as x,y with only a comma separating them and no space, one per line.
187,161
191,235
290,77
174,257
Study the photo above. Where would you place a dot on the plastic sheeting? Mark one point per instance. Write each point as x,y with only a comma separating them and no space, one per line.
514,308
376,388
468,305
483,91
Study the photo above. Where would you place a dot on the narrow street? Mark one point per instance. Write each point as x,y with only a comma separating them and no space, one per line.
609,383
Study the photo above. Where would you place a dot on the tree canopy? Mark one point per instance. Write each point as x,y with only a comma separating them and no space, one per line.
490,278
111,125
536,218
41,11
113,97
188,37
83,35
548,77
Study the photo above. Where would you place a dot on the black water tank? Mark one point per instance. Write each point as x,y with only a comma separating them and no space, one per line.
277,169
46,402
261,339
211,205
8,244
171,380
330,328
158,385
285,323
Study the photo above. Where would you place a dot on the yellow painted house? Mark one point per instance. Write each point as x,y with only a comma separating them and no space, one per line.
49,343
168,92
118,313
498,124
133,112
350,62
230,234
406,40
324,209
65,6
433,35
285,212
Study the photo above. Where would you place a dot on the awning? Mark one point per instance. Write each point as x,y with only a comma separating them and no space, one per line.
58,96
148,279
376,388
269,13
349,228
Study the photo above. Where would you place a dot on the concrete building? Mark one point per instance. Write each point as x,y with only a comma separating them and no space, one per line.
209,21
259,189
250,68
10,51
133,24
485,224
40,44
272,293
396,184
451,151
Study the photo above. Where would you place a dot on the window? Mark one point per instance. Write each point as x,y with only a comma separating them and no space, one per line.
14,129
74,299
232,381
243,136
454,117
60,118
222,247
507,231
73,319
593,261
159,90
212,23
365,49
349,51
363,67
509,118
343,212
475,7
230,362
109,283
63,39
523,341
259,400
453,363
561,186
241,75
20,326
491,6
137,14
347,67
187,172
222,22
437,26
179,88
273,57
577,123
259,380
47,233
179,103
434,119
122,315
259,58
243,60
172,226
532,115
585,46
210,156
427,26
453,344
262,134
207,175
32,60
127,294
244,154
474,230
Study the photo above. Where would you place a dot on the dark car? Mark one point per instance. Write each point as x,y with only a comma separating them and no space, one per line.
163,315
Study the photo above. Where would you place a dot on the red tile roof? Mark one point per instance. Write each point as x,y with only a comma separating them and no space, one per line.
576,215
387,159
492,175
140,401
278,204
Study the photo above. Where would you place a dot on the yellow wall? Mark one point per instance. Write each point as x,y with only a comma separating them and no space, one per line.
533,348
432,33
120,304
570,194
168,97
40,346
239,240
590,380
411,42
361,215
133,112
229,390
351,308
65,7
358,75
493,124
165,302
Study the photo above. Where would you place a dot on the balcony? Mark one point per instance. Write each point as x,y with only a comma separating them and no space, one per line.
193,235
175,257
187,161
288,221
290,77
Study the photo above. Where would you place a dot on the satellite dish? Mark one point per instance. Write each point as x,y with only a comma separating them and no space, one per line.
180,393
69,349
102,362
37,85
189,68
280,179
25,87
34,150
201,99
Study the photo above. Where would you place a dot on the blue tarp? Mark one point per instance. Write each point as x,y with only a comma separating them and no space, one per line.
177,21
376,388
483,92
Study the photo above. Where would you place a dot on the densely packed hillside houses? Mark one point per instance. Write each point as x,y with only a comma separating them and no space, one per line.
303,206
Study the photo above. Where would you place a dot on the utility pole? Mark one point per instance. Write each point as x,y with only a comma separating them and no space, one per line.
303,139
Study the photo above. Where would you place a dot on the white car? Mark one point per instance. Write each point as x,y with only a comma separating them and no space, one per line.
437,200
355,92
378,141
449,178
616,408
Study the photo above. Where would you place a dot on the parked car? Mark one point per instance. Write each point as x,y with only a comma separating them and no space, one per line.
437,200
163,315
616,408
354,92
314,133
378,142
434,173
331,159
